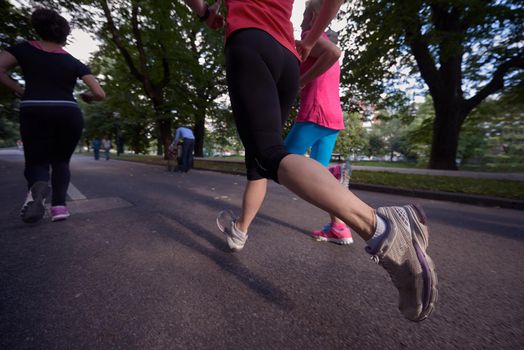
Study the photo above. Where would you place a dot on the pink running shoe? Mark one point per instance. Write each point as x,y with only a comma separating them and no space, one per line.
341,173
59,213
336,171
333,232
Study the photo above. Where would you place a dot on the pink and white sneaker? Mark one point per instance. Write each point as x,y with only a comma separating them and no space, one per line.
334,232
341,173
59,213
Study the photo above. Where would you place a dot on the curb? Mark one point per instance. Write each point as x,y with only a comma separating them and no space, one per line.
444,196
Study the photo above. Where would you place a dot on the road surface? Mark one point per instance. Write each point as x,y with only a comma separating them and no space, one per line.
141,265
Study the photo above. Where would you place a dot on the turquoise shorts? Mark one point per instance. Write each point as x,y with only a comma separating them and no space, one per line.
305,135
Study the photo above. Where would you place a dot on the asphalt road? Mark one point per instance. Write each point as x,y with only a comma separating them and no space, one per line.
141,265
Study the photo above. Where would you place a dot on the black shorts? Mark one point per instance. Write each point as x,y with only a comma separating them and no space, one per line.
263,79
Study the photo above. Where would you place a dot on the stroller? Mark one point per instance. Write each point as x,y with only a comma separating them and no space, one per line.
171,155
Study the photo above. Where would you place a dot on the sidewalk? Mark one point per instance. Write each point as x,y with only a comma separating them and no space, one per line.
435,195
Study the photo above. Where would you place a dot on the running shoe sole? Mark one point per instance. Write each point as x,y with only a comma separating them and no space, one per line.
60,217
341,241
420,239
34,211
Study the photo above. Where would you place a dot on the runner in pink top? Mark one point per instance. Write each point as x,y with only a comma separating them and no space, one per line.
320,116
320,98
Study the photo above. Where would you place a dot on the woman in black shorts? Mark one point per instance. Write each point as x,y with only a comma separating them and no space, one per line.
262,68
50,120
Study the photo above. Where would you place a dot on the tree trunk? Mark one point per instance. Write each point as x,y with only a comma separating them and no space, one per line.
159,148
200,130
446,129
164,127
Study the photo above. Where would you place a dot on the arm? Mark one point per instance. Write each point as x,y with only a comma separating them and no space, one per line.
200,8
177,136
327,54
327,13
172,146
8,62
96,92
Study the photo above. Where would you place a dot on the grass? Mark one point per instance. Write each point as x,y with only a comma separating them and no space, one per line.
389,164
486,187
488,167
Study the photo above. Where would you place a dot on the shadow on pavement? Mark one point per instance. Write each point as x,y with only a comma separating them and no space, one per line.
226,260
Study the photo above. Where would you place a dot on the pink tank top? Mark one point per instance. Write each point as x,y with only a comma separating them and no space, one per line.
320,99
271,16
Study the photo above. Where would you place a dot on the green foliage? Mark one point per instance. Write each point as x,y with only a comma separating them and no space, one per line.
486,187
222,136
14,26
351,140
378,56
493,135
495,130
173,73
461,50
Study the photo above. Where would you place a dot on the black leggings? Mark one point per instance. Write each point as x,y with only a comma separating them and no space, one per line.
262,78
50,135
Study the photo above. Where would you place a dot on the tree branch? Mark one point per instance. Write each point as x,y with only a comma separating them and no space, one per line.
446,19
115,36
165,64
425,62
138,37
497,81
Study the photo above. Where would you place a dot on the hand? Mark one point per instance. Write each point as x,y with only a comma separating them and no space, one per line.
87,97
19,93
303,48
215,21
301,84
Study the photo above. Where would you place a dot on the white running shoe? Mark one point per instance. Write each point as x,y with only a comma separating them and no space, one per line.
226,222
33,209
403,254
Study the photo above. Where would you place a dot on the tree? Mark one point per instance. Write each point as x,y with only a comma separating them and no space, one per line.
464,51
352,139
13,27
495,130
177,62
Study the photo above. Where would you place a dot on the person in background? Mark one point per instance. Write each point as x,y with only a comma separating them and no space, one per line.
50,120
106,145
188,144
96,144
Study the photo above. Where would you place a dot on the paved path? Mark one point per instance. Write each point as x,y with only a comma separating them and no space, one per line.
141,265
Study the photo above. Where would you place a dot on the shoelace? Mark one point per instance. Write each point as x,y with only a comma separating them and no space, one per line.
375,259
235,235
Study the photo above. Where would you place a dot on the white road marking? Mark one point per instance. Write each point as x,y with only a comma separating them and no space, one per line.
74,193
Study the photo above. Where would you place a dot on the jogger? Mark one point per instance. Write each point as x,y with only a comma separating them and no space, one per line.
397,236
50,121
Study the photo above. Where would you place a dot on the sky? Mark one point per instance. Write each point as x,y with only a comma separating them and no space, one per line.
82,45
